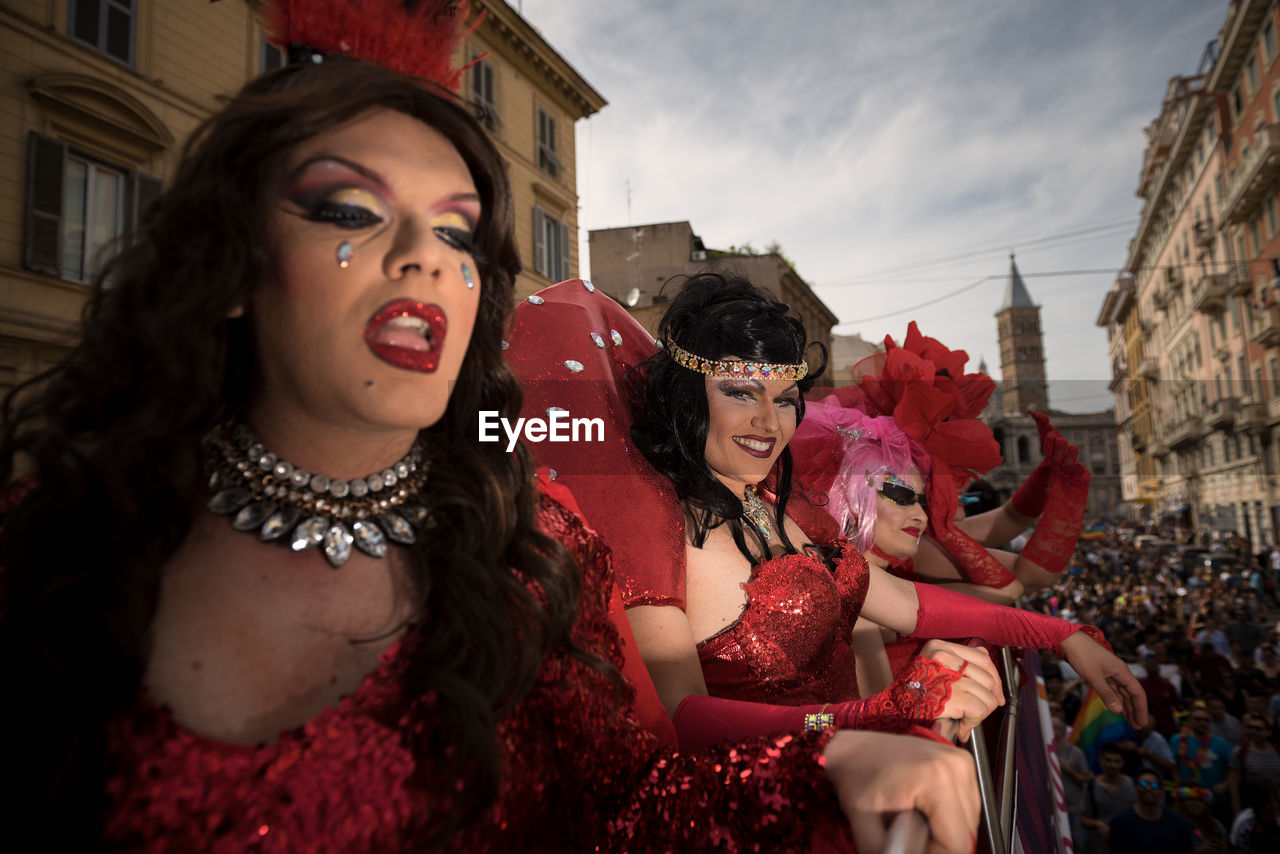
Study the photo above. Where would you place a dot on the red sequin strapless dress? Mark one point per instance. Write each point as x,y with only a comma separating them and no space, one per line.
791,644
579,774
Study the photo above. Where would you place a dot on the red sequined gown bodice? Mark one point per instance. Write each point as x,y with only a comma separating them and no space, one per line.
791,643
578,773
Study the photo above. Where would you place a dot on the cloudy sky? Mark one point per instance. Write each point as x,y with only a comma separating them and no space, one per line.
897,150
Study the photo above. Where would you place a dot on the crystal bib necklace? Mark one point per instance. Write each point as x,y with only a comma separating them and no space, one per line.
287,504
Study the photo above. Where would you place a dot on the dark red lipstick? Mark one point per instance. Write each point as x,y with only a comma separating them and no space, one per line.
756,452
407,334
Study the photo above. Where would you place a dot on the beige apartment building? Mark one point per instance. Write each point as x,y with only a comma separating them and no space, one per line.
98,97
633,263
1193,323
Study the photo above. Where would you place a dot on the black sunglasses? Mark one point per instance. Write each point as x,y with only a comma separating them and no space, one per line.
903,496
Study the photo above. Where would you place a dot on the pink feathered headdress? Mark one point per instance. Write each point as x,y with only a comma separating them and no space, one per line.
842,457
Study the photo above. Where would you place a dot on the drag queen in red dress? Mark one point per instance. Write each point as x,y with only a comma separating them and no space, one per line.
744,607
264,590
923,387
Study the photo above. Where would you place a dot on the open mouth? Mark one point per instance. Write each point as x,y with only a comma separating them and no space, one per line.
755,446
407,334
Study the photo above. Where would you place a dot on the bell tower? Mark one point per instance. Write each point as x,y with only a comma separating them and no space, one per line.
1021,349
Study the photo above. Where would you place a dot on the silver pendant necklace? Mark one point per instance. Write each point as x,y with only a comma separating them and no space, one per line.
287,504
755,511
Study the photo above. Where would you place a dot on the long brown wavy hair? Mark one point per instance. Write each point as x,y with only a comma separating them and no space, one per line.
113,436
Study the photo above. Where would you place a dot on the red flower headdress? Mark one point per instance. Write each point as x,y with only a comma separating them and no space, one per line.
413,37
922,384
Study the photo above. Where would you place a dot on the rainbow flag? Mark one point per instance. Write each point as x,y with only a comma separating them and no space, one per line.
1095,532
1095,726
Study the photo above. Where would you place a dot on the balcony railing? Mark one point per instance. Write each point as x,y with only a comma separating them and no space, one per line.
1252,418
1239,284
1186,433
1254,176
1208,295
1222,412
1149,367
1266,330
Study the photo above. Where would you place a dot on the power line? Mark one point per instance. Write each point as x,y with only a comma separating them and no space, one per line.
925,304
977,253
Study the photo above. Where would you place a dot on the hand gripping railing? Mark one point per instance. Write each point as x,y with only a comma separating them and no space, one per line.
909,831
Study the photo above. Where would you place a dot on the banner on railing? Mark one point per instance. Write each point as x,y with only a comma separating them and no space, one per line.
1041,825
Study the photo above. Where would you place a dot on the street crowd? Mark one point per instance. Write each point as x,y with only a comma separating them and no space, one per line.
1197,623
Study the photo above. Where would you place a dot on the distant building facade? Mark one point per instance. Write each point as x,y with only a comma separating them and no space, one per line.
1194,322
1021,348
99,96
633,263
1023,386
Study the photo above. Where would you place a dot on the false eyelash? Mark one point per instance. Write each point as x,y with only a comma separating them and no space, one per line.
343,216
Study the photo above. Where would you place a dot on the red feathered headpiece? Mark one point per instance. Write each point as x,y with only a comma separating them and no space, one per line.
922,384
414,38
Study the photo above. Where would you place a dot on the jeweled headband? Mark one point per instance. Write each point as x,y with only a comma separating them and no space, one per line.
732,368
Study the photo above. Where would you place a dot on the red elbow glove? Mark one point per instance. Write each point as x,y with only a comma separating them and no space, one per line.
917,696
1055,537
946,614
974,561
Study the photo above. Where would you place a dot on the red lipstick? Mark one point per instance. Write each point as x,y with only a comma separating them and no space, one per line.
407,334
756,452
913,531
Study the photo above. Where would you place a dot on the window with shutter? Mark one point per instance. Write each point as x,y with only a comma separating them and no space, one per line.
539,241
107,25
547,160
76,209
42,250
484,96
563,273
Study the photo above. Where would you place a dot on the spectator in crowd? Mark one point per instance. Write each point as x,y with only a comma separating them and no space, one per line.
1209,667
1203,759
1106,795
1192,803
1148,751
1163,699
1147,825
1222,723
1257,829
1255,759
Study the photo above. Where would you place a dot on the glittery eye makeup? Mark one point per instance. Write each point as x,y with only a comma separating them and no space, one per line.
456,229
341,193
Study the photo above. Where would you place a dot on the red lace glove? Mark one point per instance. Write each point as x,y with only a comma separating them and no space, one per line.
917,696
1059,461
1054,540
946,614
975,562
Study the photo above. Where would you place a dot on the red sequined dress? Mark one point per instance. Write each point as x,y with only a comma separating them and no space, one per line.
579,774
791,643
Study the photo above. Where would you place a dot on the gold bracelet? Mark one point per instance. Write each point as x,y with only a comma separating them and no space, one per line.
822,719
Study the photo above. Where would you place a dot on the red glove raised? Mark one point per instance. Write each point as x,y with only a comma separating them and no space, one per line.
946,614
1059,463
1055,537
975,562
917,696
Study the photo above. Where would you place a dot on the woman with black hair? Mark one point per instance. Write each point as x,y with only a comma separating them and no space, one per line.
735,587
264,590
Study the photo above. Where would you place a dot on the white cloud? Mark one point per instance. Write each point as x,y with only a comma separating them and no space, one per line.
867,136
